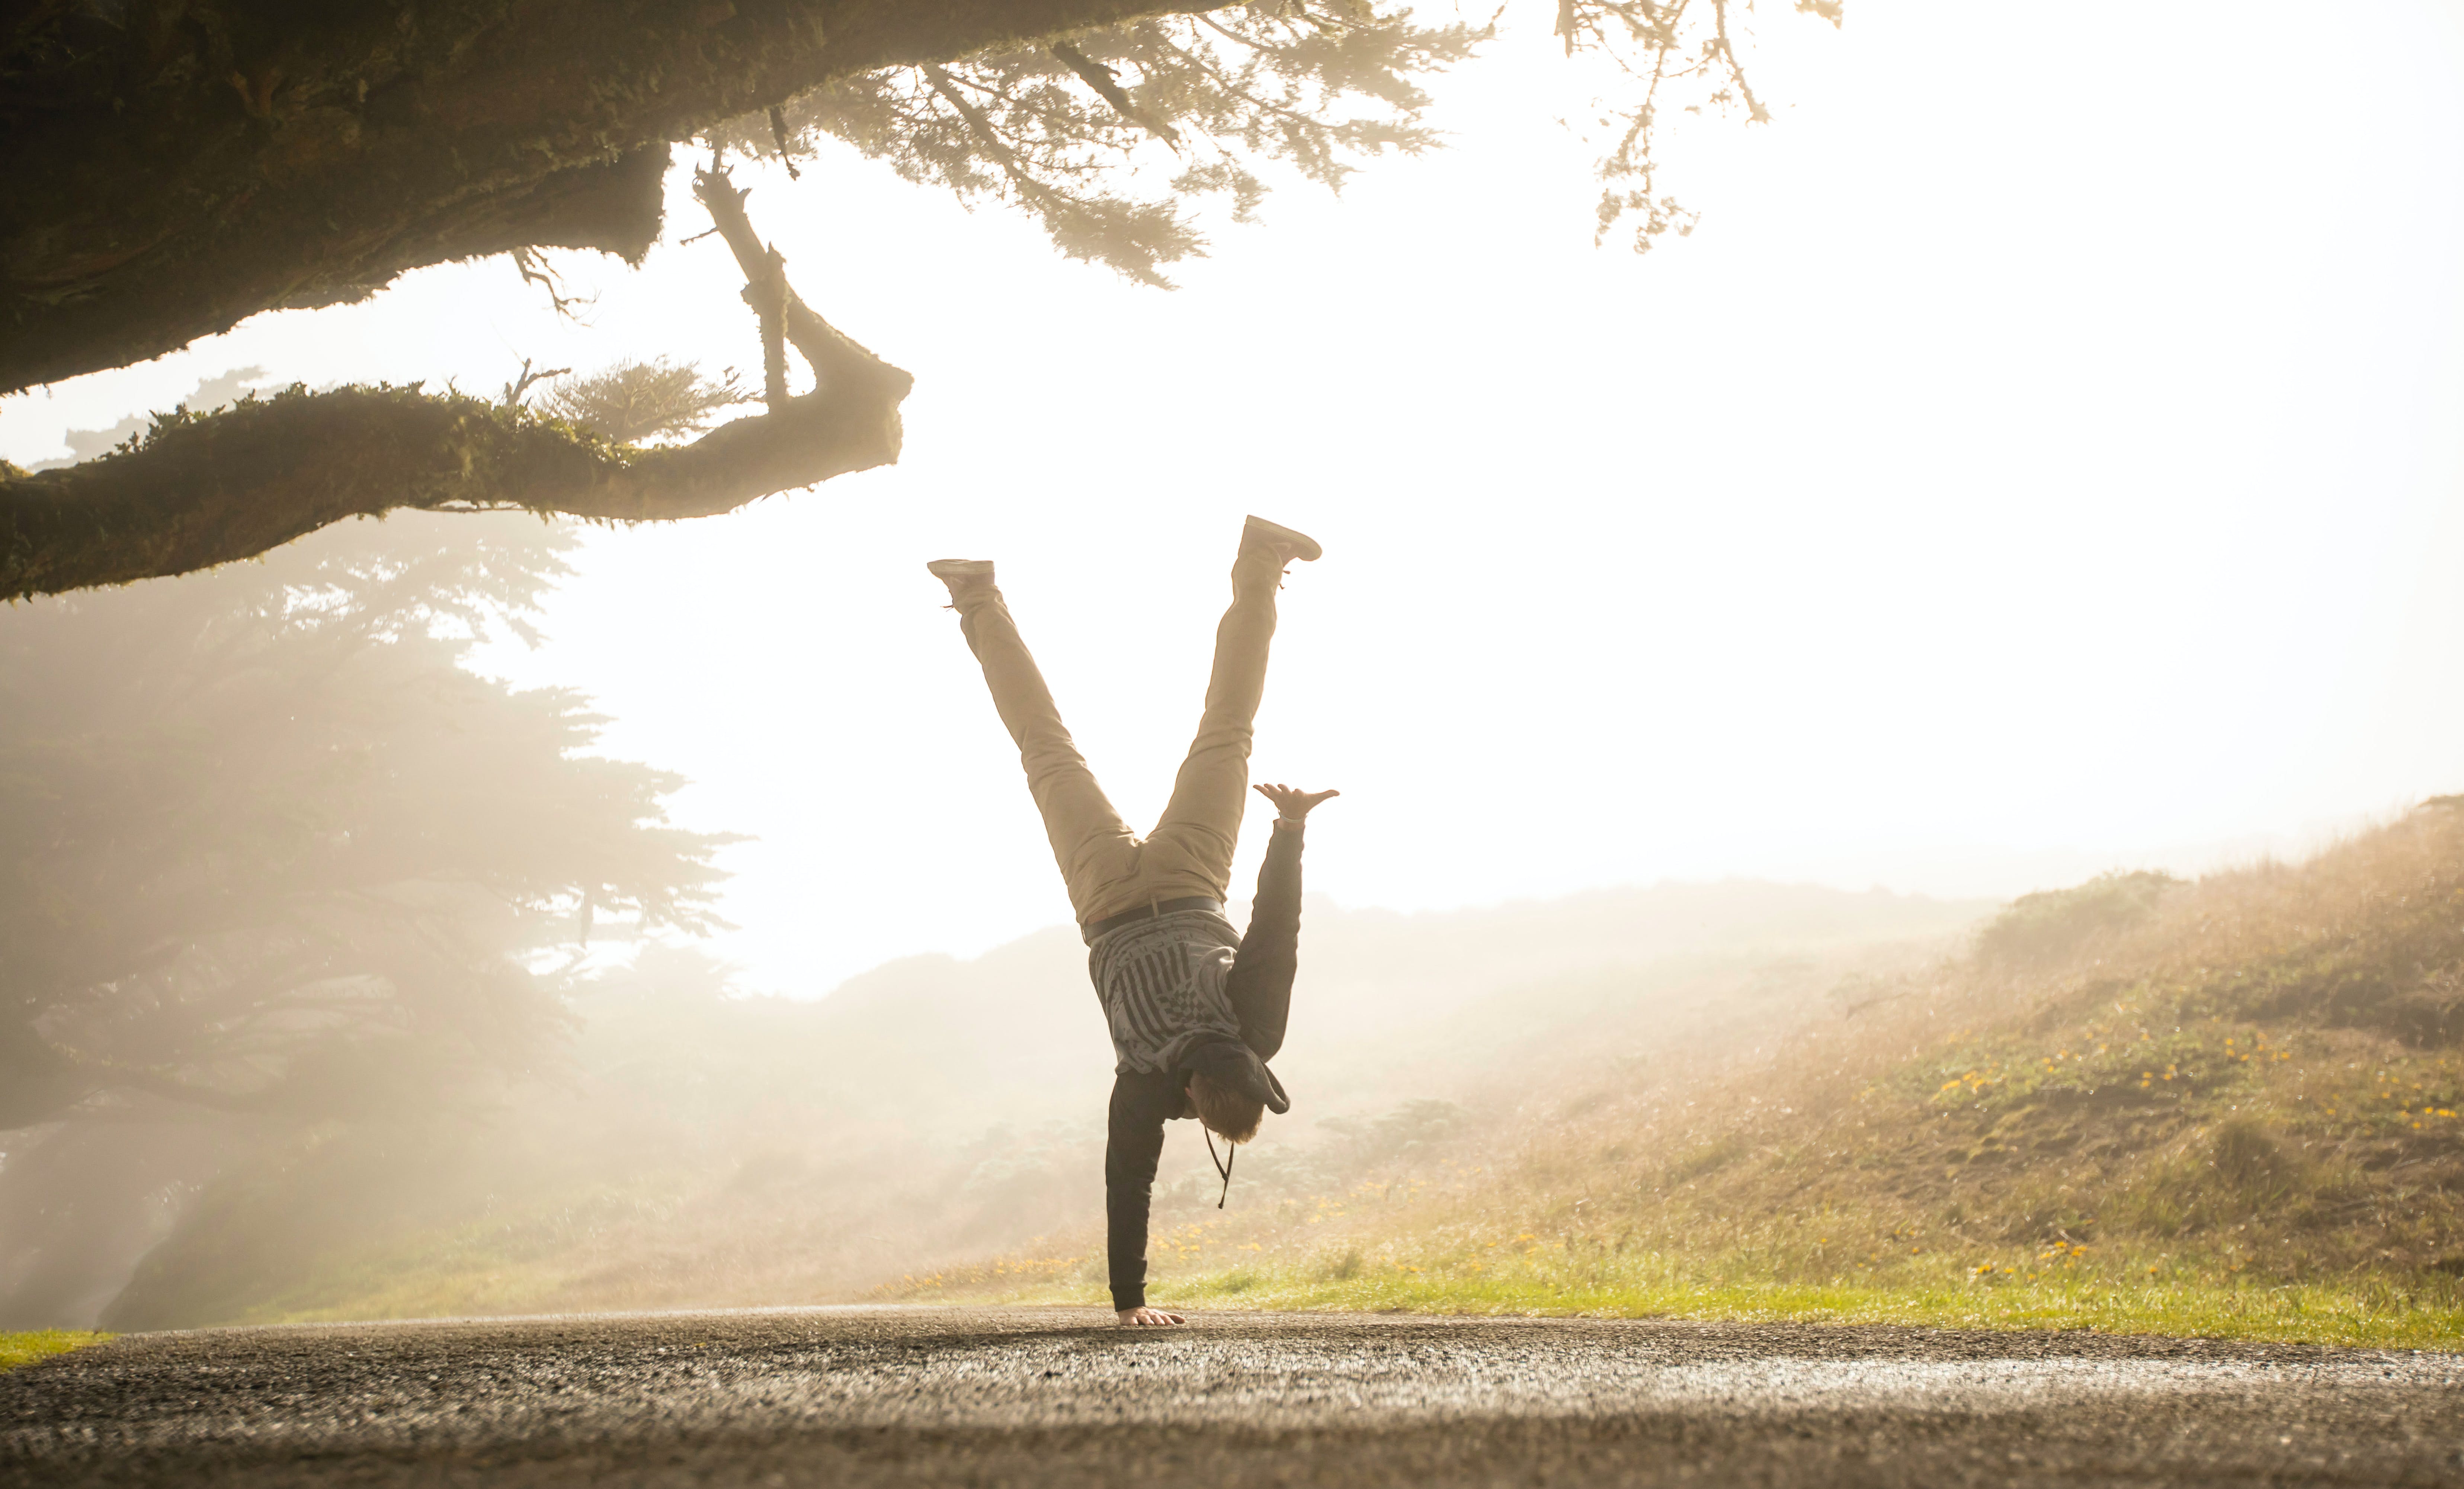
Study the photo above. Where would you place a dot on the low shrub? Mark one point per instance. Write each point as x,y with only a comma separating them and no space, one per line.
2050,925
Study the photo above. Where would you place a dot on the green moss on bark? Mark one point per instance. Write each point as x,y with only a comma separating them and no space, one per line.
199,490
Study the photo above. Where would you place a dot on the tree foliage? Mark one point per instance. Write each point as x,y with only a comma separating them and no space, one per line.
177,165
151,204
1679,52
631,401
1058,130
266,845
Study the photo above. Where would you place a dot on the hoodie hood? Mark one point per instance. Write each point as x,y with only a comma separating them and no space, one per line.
1232,1064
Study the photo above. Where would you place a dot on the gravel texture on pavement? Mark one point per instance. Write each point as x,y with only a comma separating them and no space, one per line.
1033,1396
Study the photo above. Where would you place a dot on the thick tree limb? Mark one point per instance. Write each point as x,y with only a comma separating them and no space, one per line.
206,490
174,174
201,490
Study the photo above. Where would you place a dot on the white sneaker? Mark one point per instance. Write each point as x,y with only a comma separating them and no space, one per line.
965,577
1290,544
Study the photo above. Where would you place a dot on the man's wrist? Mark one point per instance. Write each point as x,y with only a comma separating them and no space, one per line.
1281,820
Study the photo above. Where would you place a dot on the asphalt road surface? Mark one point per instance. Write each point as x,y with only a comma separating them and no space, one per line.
858,1397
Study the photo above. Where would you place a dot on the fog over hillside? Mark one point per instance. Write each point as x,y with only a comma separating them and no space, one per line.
701,1147
1389,1006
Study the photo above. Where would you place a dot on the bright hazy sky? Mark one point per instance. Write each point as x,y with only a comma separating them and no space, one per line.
2046,455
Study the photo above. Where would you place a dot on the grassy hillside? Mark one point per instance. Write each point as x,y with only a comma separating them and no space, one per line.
2229,1106
708,1150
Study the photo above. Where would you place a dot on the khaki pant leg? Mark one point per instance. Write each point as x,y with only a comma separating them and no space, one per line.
1190,852
1097,852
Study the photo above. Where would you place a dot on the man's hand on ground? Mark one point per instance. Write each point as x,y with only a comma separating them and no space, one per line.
1148,1318
1293,803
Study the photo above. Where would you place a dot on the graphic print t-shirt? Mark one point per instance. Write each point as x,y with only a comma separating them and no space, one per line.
1162,985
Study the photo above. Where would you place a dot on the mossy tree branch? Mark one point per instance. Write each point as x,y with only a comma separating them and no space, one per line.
203,490
199,490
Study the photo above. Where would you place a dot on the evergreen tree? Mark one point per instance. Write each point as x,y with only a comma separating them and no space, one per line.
266,844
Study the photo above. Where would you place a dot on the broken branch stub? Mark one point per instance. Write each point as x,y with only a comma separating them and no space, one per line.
768,297
838,361
1103,79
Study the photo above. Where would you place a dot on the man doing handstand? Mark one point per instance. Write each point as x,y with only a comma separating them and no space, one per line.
1196,1009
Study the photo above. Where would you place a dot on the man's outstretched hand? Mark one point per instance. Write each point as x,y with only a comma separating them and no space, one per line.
1291,804
1148,1318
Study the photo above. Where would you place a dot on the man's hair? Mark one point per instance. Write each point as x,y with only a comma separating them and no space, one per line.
1226,1112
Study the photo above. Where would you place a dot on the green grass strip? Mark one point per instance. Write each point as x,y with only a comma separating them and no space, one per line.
2372,1314
16,1350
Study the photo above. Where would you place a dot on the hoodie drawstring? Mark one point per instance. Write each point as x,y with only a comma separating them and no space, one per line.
1222,1165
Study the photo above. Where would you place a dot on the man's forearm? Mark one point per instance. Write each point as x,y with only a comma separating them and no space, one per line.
1125,1243
1259,985
1135,1145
